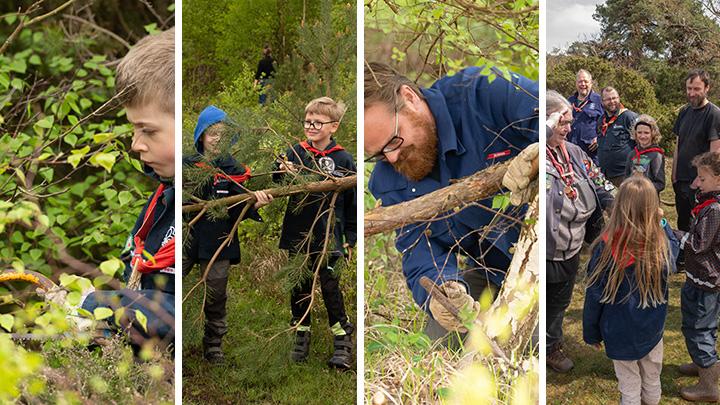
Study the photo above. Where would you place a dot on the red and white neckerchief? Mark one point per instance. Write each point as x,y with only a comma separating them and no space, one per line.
567,176
579,108
165,256
236,178
696,211
639,152
606,124
317,152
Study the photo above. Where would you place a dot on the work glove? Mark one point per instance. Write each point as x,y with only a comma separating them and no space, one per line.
58,296
519,176
460,299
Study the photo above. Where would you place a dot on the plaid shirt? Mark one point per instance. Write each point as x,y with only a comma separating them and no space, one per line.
702,246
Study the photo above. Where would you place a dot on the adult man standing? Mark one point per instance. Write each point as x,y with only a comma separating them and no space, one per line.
423,139
587,110
698,130
614,143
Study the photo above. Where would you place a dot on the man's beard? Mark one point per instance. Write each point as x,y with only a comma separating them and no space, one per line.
696,101
416,161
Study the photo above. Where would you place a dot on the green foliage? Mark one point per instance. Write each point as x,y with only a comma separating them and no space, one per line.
18,369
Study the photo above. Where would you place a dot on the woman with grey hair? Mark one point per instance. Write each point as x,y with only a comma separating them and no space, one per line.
576,195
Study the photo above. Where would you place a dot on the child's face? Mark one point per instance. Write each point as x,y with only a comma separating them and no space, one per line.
324,133
211,137
643,135
154,137
706,180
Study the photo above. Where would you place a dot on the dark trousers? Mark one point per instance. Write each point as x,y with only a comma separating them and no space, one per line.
331,293
684,203
216,303
700,311
559,289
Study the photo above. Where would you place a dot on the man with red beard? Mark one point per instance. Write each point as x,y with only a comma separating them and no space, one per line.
422,140
698,131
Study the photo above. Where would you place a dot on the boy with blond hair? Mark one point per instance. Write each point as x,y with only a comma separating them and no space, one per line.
145,86
305,223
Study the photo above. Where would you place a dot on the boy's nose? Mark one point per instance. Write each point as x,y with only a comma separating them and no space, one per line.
138,145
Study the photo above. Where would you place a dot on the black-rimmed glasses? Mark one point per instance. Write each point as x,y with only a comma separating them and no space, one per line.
390,146
315,124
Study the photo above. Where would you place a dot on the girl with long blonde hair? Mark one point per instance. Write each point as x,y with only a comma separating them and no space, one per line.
626,296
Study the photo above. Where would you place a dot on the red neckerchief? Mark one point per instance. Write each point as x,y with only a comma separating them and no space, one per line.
165,256
569,177
639,152
237,178
579,108
318,152
606,123
709,201
613,250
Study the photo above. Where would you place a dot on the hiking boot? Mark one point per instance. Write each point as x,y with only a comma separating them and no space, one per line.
689,369
706,390
342,357
301,350
558,361
214,355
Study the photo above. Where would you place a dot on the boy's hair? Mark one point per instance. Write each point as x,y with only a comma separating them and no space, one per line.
147,73
647,120
634,233
326,106
709,160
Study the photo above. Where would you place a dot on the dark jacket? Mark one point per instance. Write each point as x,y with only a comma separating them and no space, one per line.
701,246
615,144
469,111
649,161
628,331
302,209
585,121
226,174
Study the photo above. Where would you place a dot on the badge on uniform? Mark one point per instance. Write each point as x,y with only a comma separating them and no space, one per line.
326,164
570,192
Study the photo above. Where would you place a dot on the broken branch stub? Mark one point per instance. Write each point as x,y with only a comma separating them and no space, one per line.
476,187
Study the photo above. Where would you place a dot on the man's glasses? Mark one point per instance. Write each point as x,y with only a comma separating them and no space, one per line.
315,124
392,145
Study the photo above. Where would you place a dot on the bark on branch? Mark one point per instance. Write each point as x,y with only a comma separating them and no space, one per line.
478,186
335,184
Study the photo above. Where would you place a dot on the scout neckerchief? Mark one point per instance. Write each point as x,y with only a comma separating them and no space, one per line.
237,178
567,177
614,250
606,123
708,201
579,108
142,262
318,152
639,152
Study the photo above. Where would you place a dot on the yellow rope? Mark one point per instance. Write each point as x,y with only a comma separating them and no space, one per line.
5,277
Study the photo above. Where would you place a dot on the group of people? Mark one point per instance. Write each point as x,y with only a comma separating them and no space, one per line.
303,230
605,159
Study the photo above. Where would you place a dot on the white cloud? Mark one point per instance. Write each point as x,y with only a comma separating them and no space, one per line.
569,21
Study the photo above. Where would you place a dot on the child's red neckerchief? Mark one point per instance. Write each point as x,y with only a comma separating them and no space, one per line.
703,204
613,250
579,108
639,152
237,178
165,256
606,124
318,152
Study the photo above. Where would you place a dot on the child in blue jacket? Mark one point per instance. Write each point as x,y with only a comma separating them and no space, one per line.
626,297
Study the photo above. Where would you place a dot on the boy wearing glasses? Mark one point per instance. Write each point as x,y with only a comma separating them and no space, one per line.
305,224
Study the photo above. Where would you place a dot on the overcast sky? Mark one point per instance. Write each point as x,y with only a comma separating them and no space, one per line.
569,21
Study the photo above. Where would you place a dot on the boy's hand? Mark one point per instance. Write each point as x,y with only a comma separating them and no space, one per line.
288,167
262,198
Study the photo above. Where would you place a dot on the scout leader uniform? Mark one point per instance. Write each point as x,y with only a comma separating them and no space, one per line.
469,111
614,143
302,234
149,257
649,161
586,115
208,234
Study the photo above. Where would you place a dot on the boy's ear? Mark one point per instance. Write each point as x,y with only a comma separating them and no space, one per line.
334,127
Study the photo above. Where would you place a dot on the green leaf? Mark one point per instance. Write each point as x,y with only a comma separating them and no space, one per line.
70,139
18,65
102,313
125,197
106,160
10,18
111,266
16,84
141,319
500,202
35,60
46,122
7,321
102,137
74,160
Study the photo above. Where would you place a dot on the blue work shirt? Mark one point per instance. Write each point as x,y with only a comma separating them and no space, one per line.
469,113
585,122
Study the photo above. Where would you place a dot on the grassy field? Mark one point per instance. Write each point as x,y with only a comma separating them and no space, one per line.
593,381
258,368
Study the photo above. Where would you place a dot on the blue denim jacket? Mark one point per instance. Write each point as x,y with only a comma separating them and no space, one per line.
469,112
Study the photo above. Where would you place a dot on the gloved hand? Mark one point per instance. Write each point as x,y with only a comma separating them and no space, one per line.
459,298
58,296
518,177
